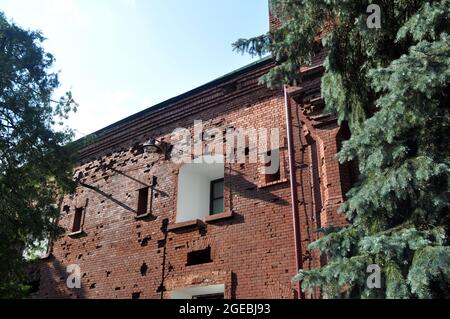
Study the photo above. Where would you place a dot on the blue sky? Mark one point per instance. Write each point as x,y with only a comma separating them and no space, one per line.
121,56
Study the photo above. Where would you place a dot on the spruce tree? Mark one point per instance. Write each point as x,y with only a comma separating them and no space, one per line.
391,85
35,160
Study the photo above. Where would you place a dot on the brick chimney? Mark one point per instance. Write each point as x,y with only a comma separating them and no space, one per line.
274,22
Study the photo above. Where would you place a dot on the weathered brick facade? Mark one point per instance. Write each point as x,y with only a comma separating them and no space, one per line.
252,242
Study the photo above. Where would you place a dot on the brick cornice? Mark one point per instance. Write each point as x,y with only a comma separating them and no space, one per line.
226,92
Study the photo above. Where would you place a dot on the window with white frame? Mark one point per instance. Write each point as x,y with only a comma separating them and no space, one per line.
200,189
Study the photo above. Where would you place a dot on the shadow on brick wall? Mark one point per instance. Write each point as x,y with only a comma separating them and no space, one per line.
245,188
52,277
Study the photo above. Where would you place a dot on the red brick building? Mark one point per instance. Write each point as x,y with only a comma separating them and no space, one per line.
246,233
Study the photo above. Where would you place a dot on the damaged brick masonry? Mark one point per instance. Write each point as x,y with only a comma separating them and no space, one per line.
125,224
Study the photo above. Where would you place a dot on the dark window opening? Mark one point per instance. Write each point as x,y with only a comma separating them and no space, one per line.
230,87
142,201
77,220
136,295
144,269
272,177
198,257
216,197
210,296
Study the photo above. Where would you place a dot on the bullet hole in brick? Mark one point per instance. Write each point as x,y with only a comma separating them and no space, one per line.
136,295
242,165
117,288
92,286
108,273
161,243
156,195
139,234
145,240
84,275
144,269
198,257
98,246
66,208
80,256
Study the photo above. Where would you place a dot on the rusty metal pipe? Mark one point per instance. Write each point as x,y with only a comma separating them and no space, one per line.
293,182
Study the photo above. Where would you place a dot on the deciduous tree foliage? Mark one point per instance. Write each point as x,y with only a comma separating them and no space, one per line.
34,165
392,87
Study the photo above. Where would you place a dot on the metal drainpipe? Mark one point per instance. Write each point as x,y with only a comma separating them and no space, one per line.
293,182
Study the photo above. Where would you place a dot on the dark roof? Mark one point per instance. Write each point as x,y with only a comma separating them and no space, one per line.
167,103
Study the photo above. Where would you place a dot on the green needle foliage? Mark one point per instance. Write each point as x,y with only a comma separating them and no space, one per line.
34,166
391,85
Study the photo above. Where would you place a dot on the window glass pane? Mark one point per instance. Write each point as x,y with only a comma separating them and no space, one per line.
217,206
218,189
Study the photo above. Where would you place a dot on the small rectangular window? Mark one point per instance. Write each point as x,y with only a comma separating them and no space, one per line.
142,201
271,176
198,257
77,220
216,197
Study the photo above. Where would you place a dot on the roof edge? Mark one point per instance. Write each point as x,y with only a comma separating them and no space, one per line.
90,138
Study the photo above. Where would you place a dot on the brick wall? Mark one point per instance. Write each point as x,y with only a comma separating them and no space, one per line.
252,251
